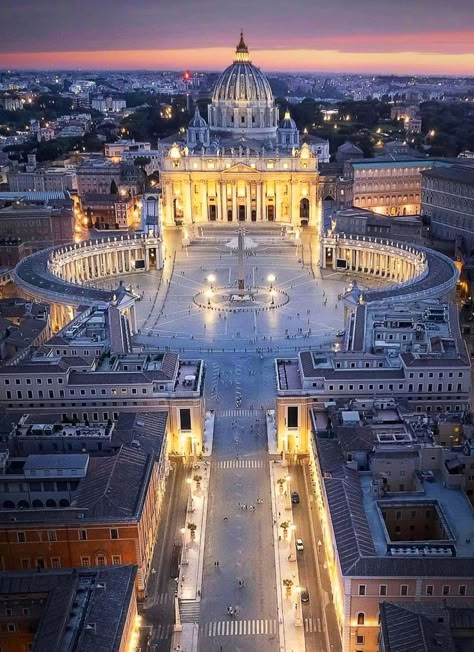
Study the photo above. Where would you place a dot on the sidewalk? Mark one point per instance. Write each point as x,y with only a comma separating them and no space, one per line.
190,575
290,619
185,637
271,432
208,435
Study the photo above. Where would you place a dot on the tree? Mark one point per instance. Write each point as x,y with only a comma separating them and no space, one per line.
192,527
288,584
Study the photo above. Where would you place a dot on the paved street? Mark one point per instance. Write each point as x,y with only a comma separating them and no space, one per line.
239,386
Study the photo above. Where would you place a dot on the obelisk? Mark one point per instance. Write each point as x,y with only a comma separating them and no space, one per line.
240,250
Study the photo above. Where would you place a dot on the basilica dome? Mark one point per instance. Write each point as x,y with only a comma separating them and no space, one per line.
242,81
242,102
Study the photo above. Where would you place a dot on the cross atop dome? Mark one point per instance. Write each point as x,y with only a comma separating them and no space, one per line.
242,51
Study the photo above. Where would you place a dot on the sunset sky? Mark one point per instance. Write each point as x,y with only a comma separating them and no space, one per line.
399,36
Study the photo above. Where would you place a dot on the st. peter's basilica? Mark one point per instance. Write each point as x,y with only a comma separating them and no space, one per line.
243,164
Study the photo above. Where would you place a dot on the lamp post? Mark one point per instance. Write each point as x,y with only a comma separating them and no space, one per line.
271,279
209,294
298,619
190,485
273,293
184,558
292,543
211,279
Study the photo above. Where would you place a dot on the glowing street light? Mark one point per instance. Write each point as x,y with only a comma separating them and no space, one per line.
211,279
209,294
271,279
273,295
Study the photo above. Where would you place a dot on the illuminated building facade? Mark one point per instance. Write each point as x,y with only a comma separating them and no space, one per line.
244,165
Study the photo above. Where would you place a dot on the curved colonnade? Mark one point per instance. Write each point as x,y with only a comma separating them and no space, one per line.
411,271
61,276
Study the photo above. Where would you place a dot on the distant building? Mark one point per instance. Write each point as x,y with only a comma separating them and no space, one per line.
42,180
97,175
447,203
115,150
23,325
357,221
78,610
396,147
37,226
106,211
347,152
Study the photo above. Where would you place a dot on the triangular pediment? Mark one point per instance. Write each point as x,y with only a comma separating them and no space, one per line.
240,167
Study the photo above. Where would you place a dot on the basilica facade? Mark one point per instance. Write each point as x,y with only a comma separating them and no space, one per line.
244,164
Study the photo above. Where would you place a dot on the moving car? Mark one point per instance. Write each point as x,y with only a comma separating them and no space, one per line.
340,333
305,595
295,497
299,545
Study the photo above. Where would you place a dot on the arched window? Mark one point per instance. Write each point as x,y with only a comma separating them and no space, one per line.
360,618
64,502
8,504
37,503
50,503
23,504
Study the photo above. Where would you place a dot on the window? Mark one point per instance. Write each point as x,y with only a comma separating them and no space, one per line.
404,589
116,560
446,589
26,611
429,589
82,535
361,589
292,416
55,562
11,627
185,418
52,535
21,537
114,533
100,560
25,563
462,589
360,617
383,589
85,561
360,639
8,612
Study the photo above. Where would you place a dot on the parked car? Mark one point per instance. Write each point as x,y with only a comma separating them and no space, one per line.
295,497
299,545
340,333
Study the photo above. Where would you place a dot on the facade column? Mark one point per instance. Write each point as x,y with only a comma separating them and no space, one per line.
234,202
204,200
248,209
218,201
263,202
224,201
258,200
277,203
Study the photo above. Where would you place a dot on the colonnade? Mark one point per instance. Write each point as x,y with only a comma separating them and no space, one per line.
90,260
392,261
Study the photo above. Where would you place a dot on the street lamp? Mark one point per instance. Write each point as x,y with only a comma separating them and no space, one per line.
211,279
273,295
271,279
298,620
209,294
185,556
191,506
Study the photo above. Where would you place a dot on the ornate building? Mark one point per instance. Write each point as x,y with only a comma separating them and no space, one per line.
243,165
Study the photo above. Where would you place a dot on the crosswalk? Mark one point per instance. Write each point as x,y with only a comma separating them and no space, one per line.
240,464
312,625
189,610
255,627
163,598
162,632
238,413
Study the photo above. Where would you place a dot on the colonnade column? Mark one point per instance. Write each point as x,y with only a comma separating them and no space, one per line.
224,201
219,201
248,209
234,202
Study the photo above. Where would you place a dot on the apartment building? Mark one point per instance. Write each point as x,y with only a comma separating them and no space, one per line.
396,518
412,353
78,610
97,507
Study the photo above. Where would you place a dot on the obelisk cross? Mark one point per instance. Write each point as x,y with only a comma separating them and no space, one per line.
240,251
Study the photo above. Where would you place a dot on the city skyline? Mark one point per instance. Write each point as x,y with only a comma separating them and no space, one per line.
378,38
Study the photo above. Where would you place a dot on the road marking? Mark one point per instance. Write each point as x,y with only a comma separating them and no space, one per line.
163,598
254,627
312,625
238,413
162,632
240,464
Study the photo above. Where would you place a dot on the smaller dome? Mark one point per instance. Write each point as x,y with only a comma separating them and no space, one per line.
287,122
197,120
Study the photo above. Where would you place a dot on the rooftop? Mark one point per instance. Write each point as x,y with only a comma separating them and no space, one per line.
79,610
